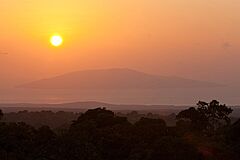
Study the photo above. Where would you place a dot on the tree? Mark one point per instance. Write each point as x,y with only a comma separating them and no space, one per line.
207,117
233,137
99,134
150,129
192,119
1,114
216,113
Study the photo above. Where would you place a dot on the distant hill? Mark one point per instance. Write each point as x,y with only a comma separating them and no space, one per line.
114,79
79,106
85,105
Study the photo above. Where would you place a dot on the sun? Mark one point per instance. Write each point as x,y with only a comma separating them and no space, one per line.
56,40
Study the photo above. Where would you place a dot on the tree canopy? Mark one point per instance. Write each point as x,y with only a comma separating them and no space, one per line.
1,114
206,117
99,134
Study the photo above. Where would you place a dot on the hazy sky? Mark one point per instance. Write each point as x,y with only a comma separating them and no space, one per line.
198,39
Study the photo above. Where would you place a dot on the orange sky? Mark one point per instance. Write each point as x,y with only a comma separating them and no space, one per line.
198,39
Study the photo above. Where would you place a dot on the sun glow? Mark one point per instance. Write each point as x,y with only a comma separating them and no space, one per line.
56,40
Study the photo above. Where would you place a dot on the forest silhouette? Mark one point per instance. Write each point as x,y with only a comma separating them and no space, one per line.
202,132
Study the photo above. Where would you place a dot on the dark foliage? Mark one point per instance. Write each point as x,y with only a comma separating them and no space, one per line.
54,120
208,117
62,120
1,114
99,134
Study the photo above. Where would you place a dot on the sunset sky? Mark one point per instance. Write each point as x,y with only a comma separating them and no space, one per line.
198,39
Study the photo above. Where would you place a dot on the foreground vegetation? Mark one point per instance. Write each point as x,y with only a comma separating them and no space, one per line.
204,132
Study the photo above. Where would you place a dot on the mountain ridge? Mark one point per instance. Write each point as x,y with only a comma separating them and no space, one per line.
82,105
114,78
